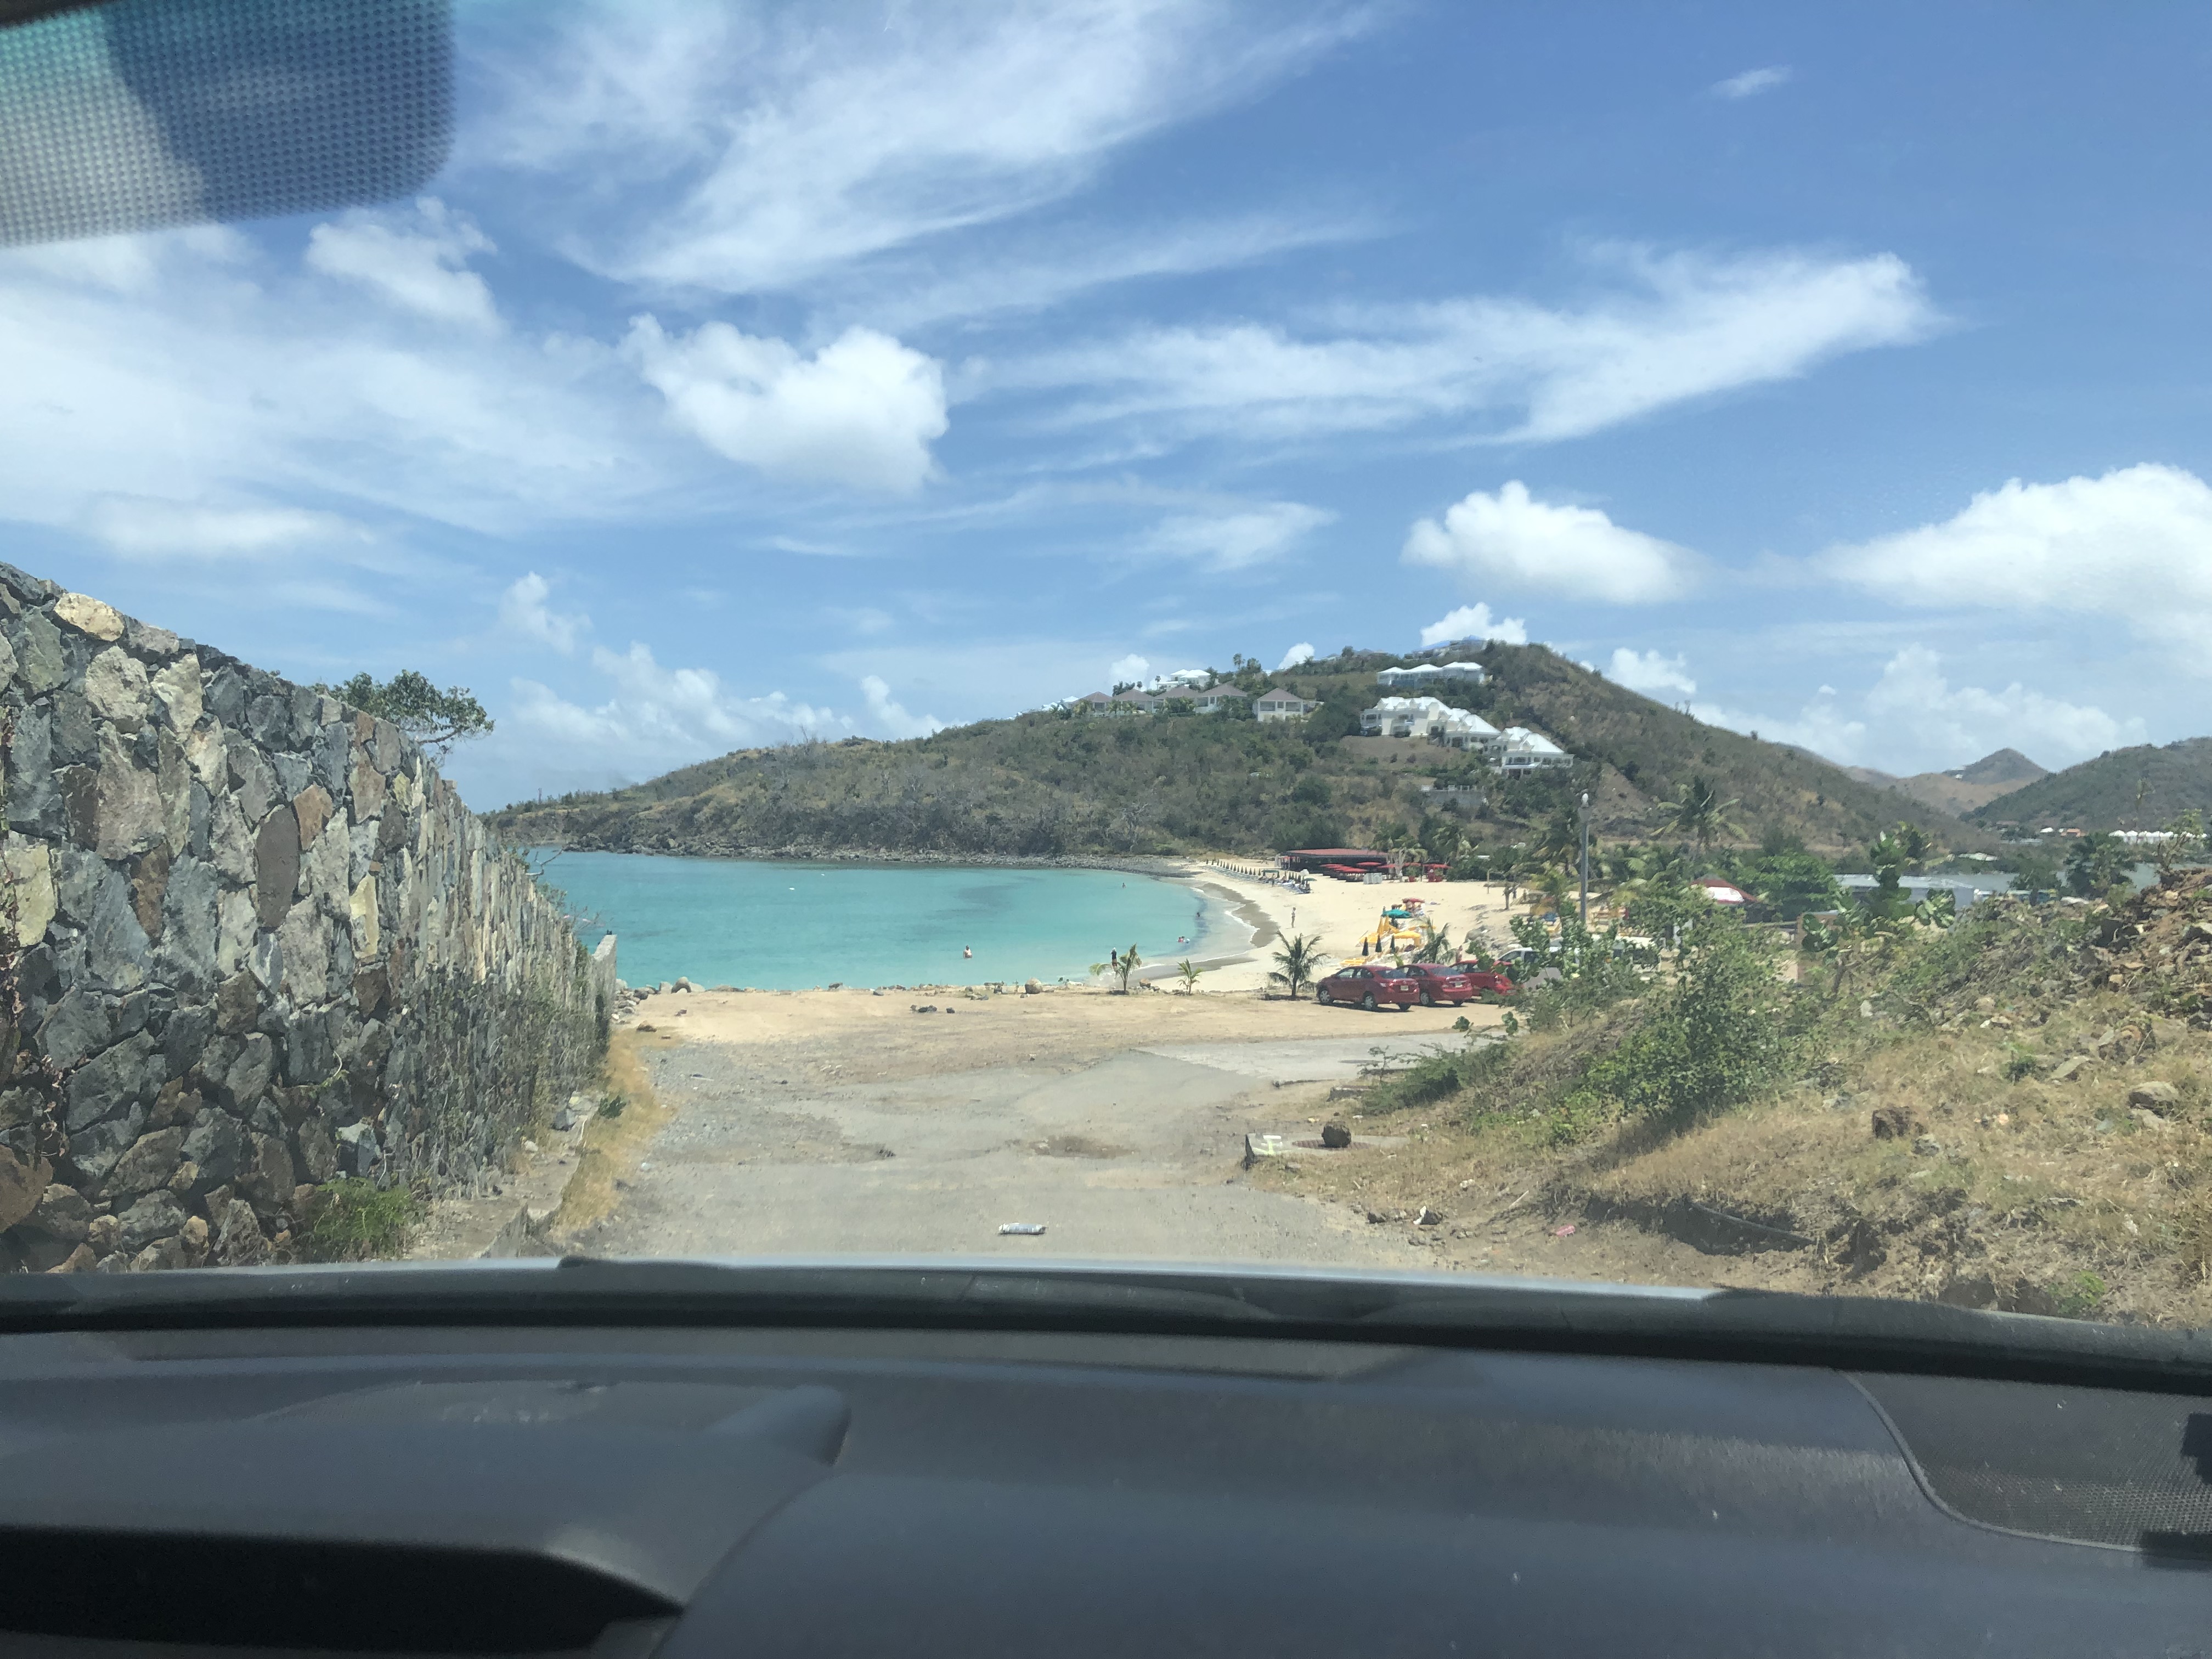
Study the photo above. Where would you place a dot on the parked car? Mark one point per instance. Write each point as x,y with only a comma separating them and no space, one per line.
1486,979
1370,985
1443,981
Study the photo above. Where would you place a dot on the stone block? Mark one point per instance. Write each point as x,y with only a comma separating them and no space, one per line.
75,730
63,1212
238,1241
231,841
235,932
176,689
185,1038
34,798
155,1215
149,1164
130,818
266,963
275,865
293,773
315,1149
326,872
149,881
93,1151
361,917
115,686
39,661
218,1145
191,924
129,1073
313,807
31,900
252,780
199,822
173,782
369,790
247,1077
22,1184
237,1005
333,756
305,939
88,615
224,693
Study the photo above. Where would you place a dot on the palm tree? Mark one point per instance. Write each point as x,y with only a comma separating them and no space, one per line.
1698,812
1121,964
1190,972
1297,963
1436,944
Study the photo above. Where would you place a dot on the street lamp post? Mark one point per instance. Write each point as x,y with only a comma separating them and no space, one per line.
1585,859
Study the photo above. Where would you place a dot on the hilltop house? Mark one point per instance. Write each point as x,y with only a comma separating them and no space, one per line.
1430,673
1401,717
1216,699
1277,704
1519,749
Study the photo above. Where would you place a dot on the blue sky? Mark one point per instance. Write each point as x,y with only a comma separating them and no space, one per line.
750,371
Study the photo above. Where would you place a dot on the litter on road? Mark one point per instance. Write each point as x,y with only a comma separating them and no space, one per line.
1026,1229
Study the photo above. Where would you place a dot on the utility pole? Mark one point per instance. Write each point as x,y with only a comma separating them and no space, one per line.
1586,860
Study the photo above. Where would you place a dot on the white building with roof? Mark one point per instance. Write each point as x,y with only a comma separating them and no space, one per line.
1519,749
1430,673
1277,704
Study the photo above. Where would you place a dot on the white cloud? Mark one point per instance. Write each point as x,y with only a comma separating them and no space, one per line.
888,719
523,611
143,527
1913,719
1650,673
1301,653
225,374
1676,327
1513,540
658,717
809,141
1131,669
418,262
1474,622
1238,541
2135,544
1752,83
863,411
1914,698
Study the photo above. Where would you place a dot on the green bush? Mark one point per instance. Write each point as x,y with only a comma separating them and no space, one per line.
356,1220
1711,1040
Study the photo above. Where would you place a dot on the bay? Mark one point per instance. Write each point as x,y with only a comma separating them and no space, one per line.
779,926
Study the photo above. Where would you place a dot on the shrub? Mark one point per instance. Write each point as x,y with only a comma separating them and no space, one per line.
356,1220
1711,1040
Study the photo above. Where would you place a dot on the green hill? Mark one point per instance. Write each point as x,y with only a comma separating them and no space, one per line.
1047,784
2138,788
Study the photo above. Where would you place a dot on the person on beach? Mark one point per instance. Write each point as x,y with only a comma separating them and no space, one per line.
966,951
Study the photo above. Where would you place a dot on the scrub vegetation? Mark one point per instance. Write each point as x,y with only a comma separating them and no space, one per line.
2010,1109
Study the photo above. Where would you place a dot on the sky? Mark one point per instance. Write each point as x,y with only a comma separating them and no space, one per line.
748,373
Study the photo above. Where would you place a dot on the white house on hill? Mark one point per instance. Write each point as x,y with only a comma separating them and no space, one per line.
1277,704
1521,749
1430,673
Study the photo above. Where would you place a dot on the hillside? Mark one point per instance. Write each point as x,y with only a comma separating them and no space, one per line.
2138,788
1964,789
1047,784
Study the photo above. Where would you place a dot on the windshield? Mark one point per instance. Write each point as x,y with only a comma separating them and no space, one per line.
878,631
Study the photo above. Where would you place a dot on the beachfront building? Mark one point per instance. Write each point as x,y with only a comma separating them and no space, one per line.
1519,749
1277,704
1422,674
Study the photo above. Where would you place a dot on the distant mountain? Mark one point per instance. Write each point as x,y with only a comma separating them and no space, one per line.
1962,790
1047,784
2138,788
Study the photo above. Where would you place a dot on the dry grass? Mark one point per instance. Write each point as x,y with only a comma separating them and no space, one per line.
612,1145
2041,1196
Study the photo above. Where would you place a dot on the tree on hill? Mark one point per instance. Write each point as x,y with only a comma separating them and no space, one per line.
1698,813
436,719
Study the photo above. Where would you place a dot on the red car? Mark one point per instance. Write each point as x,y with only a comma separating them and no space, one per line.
1486,979
1370,985
1443,981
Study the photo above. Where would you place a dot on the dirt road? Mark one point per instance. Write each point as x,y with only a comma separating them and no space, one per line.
841,1122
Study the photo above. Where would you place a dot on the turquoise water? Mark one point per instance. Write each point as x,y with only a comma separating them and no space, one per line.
787,926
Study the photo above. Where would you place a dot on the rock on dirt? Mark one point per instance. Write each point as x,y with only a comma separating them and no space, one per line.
2153,1097
1894,1123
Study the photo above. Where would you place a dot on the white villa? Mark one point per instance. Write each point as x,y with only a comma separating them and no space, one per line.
1430,673
1519,749
1277,704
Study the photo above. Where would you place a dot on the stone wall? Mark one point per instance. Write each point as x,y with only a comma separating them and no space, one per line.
250,942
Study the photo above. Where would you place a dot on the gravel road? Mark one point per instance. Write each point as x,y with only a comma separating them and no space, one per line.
1126,1153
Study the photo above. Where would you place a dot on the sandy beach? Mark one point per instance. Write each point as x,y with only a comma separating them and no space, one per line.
1337,912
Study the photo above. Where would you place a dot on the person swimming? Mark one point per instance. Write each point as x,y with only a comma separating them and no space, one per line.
966,951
